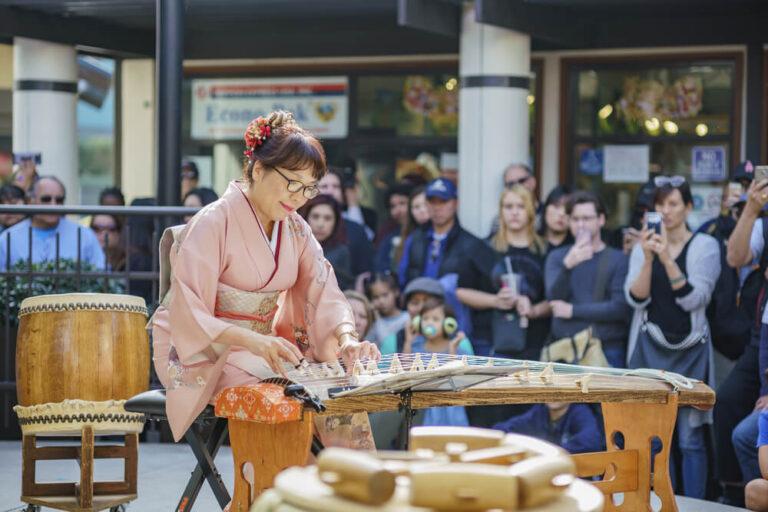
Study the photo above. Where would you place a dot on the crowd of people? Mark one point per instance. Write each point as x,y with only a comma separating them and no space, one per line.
655,293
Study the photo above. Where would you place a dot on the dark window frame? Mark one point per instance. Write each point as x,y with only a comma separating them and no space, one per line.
571,66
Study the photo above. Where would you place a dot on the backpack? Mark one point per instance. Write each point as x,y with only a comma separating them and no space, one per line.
736,309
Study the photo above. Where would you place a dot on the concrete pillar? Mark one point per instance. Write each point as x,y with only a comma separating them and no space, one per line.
227,165
45,108
137,128
494,67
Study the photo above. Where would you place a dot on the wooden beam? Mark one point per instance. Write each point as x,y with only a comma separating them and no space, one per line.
76,31
437,16
553,24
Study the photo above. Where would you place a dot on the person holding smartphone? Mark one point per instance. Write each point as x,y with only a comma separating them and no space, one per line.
584,280
745,390
672,274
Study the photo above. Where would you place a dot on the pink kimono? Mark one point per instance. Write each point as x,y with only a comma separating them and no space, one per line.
223,273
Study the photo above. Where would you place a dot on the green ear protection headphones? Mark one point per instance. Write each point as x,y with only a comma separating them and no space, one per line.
450,325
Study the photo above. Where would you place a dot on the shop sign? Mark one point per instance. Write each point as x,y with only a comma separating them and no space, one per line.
626,163
591,162
708,163
222,108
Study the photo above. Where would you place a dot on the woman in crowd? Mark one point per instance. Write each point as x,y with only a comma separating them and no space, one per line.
108,229
363,311
199,197
247,252
418,215
521,322
10,194
553,226
672,273
323,214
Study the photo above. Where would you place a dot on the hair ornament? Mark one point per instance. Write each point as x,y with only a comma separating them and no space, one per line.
257,133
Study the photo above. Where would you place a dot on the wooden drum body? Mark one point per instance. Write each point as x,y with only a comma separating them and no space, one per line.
85,346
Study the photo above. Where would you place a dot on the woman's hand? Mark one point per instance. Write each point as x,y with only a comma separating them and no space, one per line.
358,350
274,350
661,247
505,299
647,243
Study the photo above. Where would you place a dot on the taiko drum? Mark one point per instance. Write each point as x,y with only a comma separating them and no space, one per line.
86,346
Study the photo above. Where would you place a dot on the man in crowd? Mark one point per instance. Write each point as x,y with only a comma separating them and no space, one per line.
744,393
444,250
585,281
520,174
46,228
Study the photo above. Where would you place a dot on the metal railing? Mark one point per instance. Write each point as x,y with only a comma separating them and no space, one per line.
139,275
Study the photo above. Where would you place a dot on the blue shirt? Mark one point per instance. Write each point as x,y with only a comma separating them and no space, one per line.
451,416
762,428
576,431
44,244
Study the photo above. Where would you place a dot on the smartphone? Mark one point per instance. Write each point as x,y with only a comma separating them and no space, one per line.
761,172
18,158
653,221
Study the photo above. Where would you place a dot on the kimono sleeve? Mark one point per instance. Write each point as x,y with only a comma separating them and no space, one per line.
315,306
196,267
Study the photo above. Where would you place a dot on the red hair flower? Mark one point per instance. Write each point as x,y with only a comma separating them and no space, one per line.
257,133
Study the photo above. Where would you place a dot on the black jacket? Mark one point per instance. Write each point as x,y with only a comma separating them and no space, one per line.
464,254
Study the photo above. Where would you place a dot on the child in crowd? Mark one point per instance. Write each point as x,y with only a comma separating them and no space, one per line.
574,427
363,312
436,330
416,294
384,293
387,426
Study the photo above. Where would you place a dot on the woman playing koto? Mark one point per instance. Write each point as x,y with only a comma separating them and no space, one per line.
249,281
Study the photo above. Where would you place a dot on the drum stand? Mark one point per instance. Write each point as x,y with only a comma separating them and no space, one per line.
86,495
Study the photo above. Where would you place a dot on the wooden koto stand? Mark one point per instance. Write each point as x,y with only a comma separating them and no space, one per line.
638,408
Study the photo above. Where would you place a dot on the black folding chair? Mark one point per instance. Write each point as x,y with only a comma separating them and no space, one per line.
205,437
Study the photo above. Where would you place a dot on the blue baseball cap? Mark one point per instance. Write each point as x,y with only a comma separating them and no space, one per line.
441,188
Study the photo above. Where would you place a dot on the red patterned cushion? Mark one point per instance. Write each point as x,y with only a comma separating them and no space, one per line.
263,402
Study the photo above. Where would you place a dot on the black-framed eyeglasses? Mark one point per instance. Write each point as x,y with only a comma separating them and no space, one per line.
309,191
51,199
671,181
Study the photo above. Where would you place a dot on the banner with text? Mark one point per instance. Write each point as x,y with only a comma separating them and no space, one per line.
222,108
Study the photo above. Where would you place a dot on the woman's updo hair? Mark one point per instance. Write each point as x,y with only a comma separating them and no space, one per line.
278,141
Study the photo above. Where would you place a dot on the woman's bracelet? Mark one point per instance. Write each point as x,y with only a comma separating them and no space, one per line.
345,332
678,279
348,337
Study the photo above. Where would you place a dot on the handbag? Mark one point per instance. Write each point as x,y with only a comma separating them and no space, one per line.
582,348
508,335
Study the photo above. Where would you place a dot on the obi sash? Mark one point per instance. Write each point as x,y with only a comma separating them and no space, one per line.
254,311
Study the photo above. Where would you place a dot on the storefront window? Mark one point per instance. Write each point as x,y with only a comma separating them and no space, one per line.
96,126
682,115
409,105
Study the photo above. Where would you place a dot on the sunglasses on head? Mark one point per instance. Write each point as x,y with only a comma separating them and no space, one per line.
671,181
52,199
512,183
